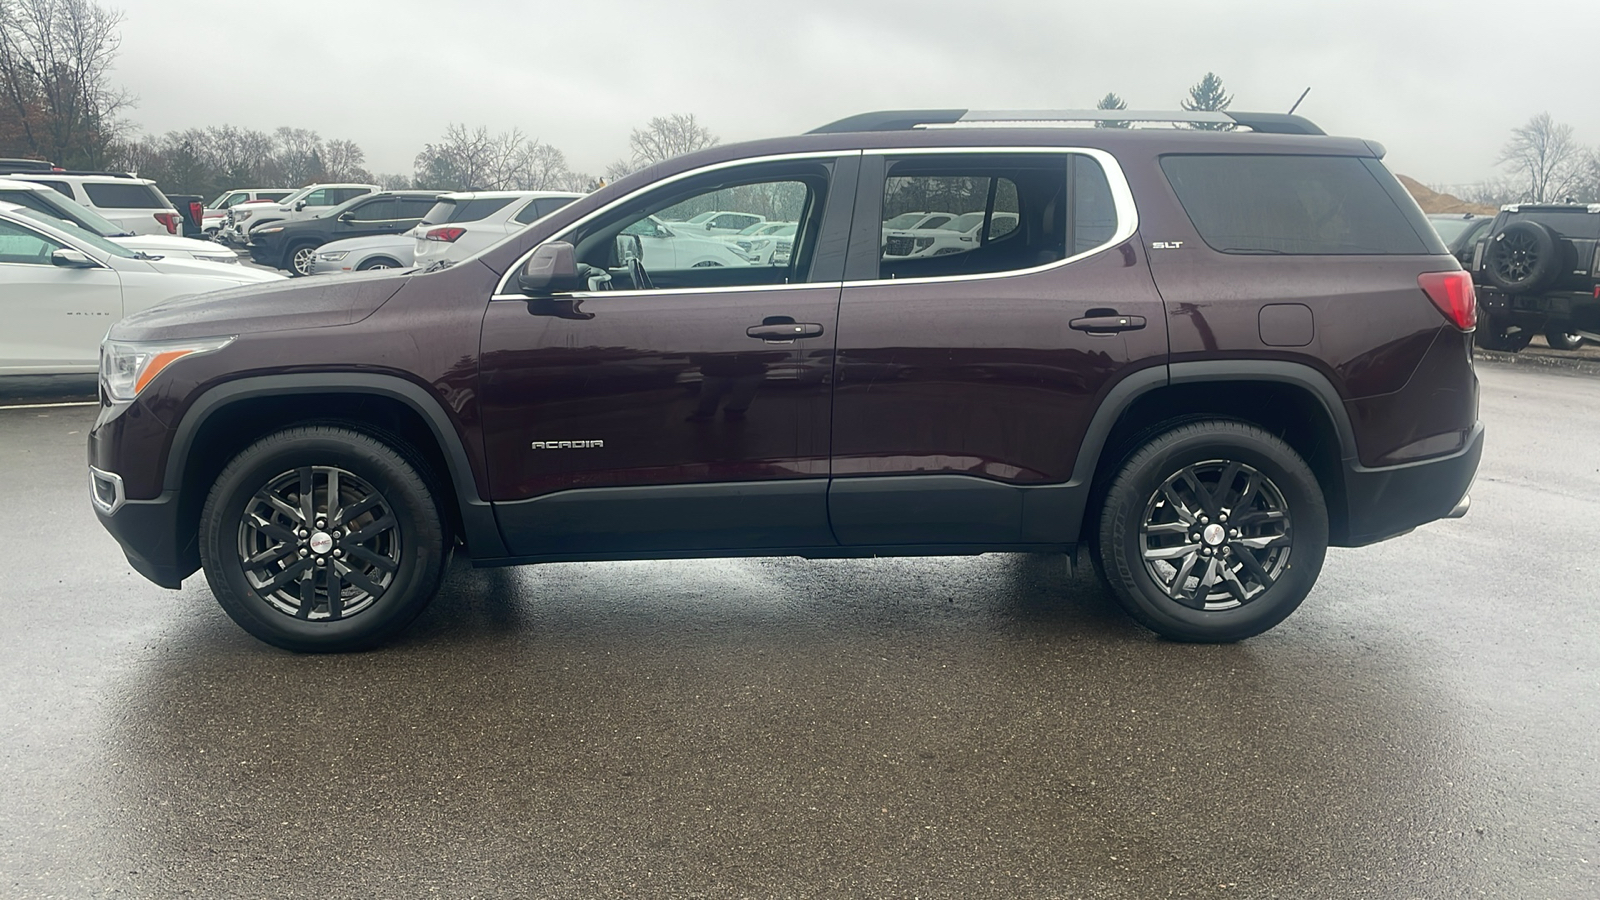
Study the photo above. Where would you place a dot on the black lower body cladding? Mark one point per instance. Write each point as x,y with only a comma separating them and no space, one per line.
1390,501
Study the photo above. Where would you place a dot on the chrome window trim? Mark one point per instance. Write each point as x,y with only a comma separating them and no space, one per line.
500,290
662,292
1121,199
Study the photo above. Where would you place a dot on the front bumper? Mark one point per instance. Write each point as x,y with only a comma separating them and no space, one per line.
1384,502
149,534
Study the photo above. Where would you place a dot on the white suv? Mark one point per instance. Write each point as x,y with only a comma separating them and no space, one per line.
39,198
136,204
309,201
216,212
461,224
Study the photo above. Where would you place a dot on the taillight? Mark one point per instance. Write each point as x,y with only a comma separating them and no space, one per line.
1452,292
169,219
447,235
197,210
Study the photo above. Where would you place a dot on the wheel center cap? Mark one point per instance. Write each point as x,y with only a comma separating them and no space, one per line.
1213,535
322,542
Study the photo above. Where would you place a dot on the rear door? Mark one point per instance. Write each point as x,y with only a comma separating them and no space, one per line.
966,381
682,410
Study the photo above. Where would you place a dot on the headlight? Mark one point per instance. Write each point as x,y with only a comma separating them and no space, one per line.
272,229
127,366
333,255
242,214
760,244
230,258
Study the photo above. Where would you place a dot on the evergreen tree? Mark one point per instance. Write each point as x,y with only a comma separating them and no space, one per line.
1208,96
1112,101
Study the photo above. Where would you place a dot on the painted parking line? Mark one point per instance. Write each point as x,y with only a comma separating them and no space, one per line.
50,405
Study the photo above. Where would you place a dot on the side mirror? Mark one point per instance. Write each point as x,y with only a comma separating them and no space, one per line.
552,269
347,217
629,246
299,206
662,231
708,226
72,259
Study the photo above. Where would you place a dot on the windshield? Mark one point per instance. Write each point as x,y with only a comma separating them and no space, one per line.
1450,229
82,216
217,203
965,222
88,237
754,229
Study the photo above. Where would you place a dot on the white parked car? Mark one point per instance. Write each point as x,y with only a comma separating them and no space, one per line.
62,287
759,242
666,247
216,212
39,198
135,204
361,254
311,200
460,224
717,222
955,235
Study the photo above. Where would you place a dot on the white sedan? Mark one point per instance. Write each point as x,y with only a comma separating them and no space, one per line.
61,287
361,254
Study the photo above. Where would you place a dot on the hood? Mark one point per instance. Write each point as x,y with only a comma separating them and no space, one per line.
158,244
281,305
229,272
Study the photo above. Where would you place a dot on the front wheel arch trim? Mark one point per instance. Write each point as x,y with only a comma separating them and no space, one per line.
477,515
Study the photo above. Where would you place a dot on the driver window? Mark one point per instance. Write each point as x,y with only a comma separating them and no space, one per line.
316,198
21,245
687,235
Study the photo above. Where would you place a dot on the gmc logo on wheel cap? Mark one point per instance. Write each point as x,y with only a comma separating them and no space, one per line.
567,445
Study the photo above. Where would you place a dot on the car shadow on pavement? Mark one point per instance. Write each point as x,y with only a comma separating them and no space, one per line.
986,726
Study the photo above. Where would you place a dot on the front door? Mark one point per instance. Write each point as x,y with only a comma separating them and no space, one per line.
54,316
673,408
969,365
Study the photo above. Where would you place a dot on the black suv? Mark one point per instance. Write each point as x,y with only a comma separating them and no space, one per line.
1202,356
1538,270
293,245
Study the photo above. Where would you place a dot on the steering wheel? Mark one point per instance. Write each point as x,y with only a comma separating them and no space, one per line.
641,280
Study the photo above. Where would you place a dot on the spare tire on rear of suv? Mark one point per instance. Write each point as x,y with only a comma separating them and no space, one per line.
1523,257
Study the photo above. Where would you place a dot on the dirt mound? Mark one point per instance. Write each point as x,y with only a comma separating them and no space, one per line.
1432,201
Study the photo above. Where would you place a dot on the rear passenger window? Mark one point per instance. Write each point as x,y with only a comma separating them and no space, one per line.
974,214
124,196
1309,205
60,187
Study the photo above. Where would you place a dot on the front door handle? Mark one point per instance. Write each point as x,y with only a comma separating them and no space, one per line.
784,331
1107,324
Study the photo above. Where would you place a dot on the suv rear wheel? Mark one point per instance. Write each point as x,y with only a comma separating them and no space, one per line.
1563,340
322,539
1214,531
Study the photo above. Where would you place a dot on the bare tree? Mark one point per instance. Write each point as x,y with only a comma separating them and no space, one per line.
664,137
1546,158
55,63
341,161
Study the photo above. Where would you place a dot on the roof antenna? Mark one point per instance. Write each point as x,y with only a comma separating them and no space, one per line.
1297,102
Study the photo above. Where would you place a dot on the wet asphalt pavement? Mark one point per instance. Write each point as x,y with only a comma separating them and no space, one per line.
1424,727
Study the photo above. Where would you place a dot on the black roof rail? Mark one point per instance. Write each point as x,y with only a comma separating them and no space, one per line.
907,119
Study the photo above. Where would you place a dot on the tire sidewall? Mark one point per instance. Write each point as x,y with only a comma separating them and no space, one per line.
1129,498
421,539
294,249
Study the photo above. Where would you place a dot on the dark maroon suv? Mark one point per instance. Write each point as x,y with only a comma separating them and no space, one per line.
1202,356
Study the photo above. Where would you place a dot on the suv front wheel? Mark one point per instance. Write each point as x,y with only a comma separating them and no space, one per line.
1214,531
322,539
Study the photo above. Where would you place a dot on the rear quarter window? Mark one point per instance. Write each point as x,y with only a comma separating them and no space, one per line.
125,196
447,211
1297,205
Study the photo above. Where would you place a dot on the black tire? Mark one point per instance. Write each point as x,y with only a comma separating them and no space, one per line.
386,578
1501,336
1522,258
1282,529
378,262
299,258
1563,340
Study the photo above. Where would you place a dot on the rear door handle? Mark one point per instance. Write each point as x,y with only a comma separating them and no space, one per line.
1107,324
784,331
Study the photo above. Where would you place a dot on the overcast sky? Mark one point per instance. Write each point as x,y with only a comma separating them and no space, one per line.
1425,78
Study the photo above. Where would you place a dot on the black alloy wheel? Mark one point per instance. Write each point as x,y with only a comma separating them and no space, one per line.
1213,531
1563,340
1522,258
319,539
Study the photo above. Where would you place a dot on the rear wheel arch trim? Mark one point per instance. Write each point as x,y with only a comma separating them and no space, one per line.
477,515
1125,392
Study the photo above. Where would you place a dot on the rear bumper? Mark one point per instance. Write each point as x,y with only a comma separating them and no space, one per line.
1385,502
